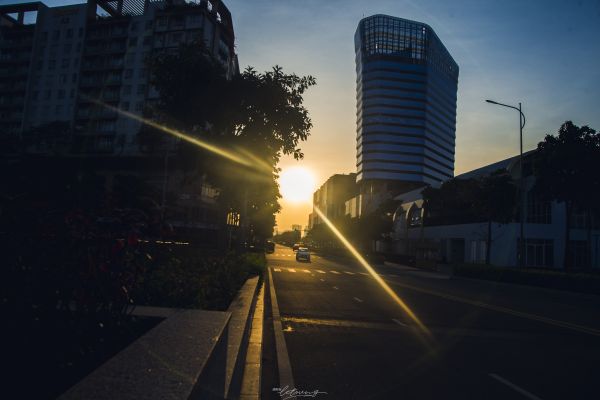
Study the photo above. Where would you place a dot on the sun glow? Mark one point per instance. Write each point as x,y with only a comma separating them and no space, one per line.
297,185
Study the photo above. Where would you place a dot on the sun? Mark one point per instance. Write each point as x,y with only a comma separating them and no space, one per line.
297,185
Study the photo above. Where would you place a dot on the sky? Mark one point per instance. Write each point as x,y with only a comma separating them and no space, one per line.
544,54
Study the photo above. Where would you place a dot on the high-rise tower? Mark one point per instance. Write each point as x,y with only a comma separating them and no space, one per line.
406,89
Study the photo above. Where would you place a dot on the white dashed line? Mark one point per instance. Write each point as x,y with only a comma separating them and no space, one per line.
334,272
277,269
306,271
322,280
514,387
319,271
349,273
357,299
291,269
399,322
336,288
363,273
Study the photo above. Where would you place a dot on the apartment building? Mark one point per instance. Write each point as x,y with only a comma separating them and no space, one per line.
58,63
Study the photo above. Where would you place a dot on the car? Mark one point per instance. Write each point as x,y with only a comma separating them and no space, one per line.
303,254
296,246
269,246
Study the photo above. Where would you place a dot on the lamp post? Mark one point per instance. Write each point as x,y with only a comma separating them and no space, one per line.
521,180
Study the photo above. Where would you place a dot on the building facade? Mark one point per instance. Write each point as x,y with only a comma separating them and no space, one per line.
332,196
406,92
544,231
57,63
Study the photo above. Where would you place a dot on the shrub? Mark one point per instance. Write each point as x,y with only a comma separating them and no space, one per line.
578,282
204,281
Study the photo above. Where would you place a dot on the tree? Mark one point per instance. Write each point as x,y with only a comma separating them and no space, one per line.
567,169
454,202
496,201
491,198
254,118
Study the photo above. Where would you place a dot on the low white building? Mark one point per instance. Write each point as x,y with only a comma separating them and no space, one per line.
544,231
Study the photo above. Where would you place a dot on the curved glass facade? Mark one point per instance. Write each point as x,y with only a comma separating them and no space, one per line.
406,89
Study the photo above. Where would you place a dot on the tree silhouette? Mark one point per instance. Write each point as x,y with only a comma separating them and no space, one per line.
256,116
567,169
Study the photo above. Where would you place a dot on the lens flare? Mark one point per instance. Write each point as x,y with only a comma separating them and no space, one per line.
381,282
244,158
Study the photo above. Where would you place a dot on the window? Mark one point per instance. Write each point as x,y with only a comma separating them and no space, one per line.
51,64
126,89
539,253
74,78
539,211
161,21
128,73
141,89
134,26
478,251
69,33
176,38
56,35
578,218
80,32
148,25
578,253
67,48
61,94
133,42
139,106
414,216
125,106
65,62
62,78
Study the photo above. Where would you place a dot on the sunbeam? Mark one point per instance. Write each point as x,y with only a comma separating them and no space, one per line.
246,158
422,328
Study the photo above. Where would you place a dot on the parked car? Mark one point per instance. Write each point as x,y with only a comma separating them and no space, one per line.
296,246
270,246
303,254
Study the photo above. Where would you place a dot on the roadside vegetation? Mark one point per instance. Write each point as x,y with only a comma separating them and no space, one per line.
585,282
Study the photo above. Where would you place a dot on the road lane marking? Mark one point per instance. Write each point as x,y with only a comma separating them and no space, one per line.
334,272
363,273
357,299
336,288
399,322
344,323
283,359
291,269
514,387
319,271
322,280
277,269
505,310
349,273
306,271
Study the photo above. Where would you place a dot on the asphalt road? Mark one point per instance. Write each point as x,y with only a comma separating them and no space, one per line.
346,336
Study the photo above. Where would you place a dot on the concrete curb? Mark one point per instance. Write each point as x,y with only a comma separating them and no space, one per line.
251,378
238,335
284,366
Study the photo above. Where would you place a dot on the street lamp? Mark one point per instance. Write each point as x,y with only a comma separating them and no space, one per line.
521,180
